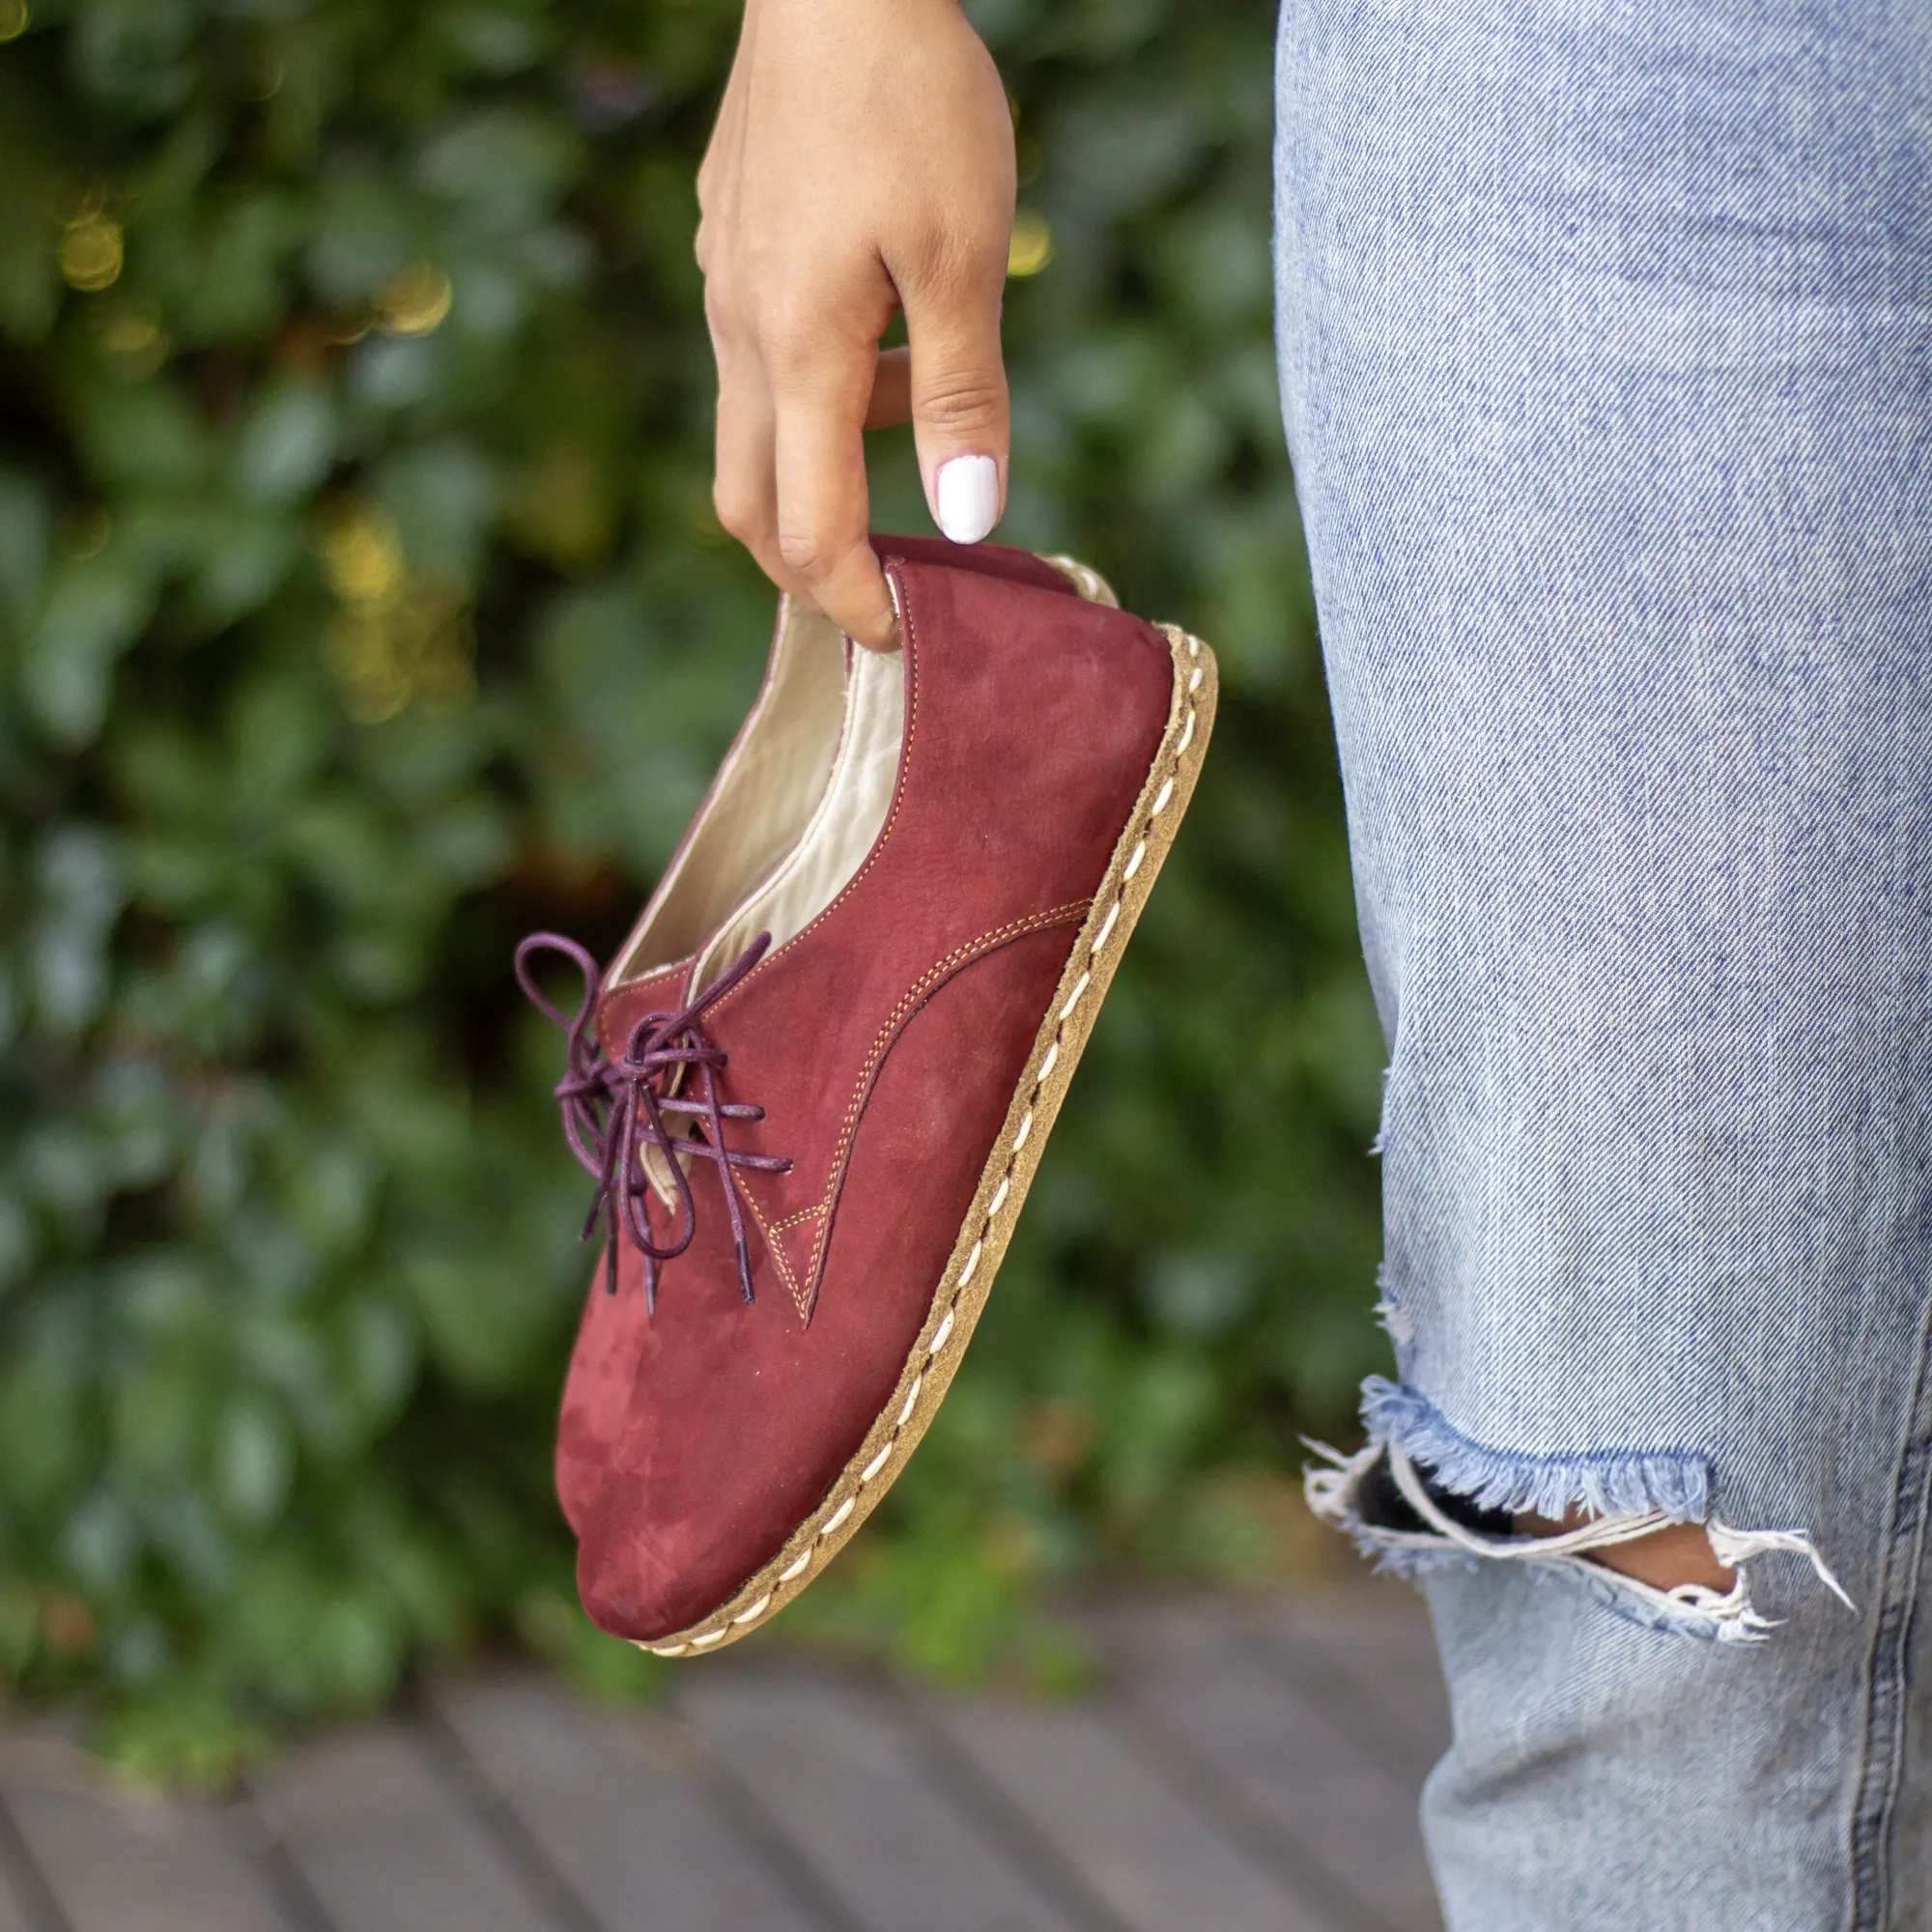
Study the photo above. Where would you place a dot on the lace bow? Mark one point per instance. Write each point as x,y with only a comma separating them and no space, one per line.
612,1109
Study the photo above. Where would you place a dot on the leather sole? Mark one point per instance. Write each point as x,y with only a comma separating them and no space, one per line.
981,1245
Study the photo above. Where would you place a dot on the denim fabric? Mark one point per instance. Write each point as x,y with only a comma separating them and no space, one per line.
1606,338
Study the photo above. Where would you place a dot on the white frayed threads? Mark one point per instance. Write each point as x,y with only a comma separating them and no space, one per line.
1735,1548
1397,1322
1727,1616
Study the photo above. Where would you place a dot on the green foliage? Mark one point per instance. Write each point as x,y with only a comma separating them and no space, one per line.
361,606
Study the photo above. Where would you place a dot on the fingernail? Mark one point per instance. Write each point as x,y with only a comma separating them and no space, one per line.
968,489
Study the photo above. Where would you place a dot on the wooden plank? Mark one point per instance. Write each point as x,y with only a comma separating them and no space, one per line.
19,1880
384,1846
1134,1837
1280,1766
1372,1651
616,1807
844,1781
116,1861
12,1913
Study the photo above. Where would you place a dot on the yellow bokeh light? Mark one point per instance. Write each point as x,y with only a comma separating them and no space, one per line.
363,557
90,250
416,300
13,19
1031,248
421,649
395,642
129,335
137,343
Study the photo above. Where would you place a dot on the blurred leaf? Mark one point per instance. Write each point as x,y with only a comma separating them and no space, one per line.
95,609
254,1461
286,445
442,497
135,54
27,529
506,165
361,606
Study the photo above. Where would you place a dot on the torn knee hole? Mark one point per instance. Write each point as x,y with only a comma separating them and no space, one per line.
1678,1553
1685,1574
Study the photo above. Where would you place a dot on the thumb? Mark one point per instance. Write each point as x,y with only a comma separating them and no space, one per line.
960,415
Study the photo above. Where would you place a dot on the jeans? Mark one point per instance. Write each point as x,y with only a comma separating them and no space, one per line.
1605,345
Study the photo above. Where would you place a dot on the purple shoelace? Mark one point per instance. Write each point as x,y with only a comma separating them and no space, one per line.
612,1109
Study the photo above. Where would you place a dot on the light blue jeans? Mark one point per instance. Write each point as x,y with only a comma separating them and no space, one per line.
1606,334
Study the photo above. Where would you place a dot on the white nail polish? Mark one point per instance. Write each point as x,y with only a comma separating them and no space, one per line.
968,489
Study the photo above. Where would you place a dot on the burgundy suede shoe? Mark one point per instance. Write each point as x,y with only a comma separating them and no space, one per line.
813,1085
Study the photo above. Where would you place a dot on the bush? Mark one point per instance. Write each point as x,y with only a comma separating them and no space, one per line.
360,608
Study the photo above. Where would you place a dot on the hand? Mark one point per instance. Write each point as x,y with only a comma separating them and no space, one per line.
863,162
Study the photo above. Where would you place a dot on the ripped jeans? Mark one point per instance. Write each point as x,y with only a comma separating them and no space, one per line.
1606,344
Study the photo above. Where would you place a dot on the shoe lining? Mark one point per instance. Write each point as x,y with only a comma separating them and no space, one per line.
798,804
759,804
851,813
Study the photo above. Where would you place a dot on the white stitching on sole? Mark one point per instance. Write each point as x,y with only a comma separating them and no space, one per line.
943,1332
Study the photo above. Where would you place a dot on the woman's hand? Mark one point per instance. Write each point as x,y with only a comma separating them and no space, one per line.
863,161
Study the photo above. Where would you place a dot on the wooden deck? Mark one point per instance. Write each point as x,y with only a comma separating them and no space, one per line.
1248,1767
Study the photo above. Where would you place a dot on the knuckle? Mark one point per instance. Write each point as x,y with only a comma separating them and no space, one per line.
740,510
790,349
963,265
809,552
800,338
961,403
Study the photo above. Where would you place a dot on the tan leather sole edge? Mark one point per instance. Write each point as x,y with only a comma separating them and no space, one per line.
1008,1173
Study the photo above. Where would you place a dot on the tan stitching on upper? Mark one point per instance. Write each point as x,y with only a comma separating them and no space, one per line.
800,1301
909,1001
803,1291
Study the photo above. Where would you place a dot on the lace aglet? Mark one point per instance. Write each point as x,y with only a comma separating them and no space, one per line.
650,1285
610,1268
744,1273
